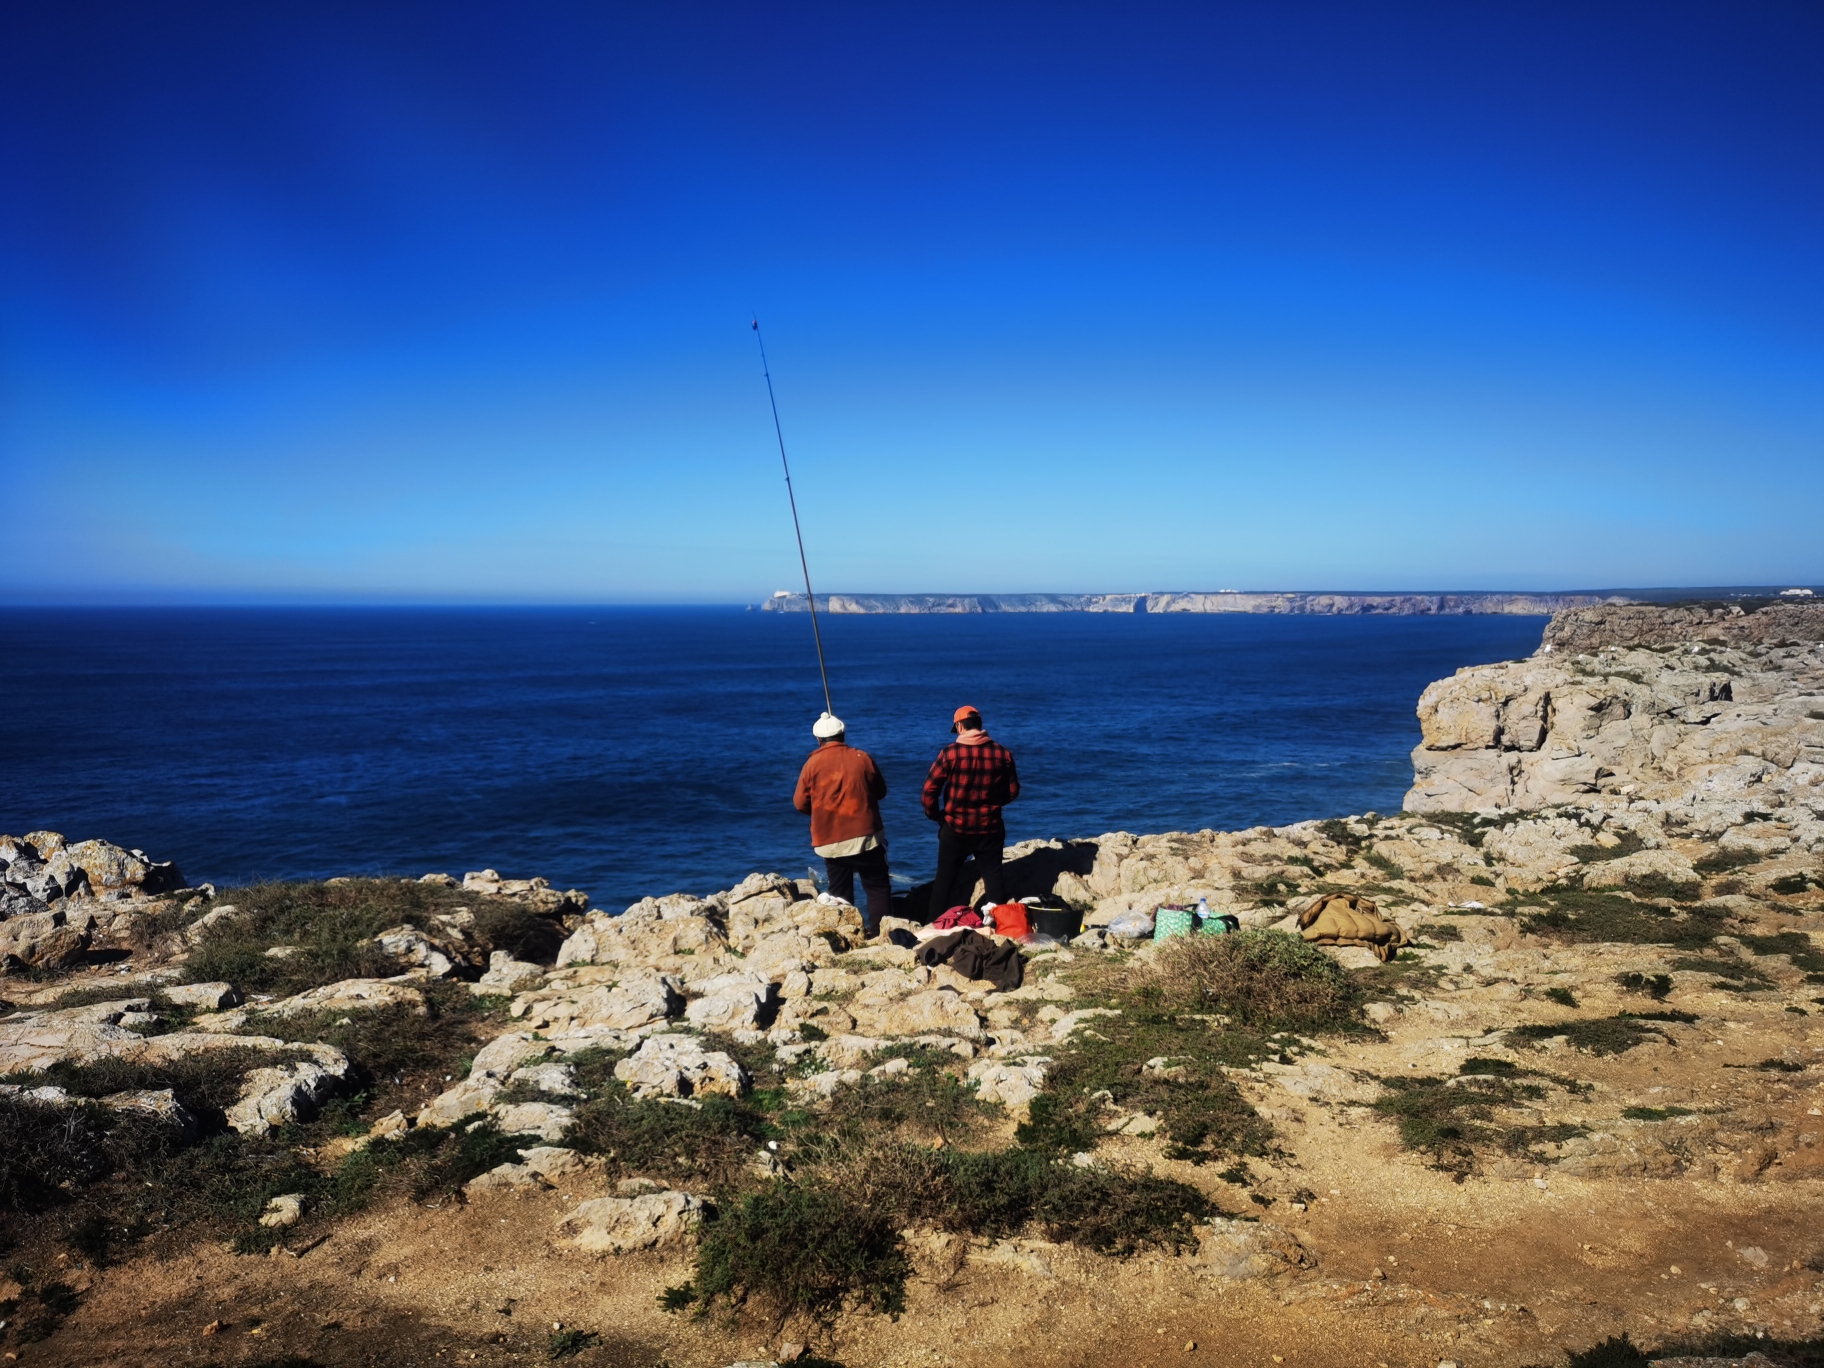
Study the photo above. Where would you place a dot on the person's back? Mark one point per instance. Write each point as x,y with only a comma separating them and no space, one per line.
840,787
971,780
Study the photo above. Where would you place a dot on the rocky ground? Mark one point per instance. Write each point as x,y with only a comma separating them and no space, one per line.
435,1120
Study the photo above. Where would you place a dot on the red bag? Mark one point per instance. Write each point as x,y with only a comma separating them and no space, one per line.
1010,920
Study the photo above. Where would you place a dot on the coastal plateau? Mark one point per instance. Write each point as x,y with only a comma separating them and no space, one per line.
1225,601
1553,1075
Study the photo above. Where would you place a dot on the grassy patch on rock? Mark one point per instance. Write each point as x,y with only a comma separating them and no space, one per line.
1454,1120
1586,916
1599,1036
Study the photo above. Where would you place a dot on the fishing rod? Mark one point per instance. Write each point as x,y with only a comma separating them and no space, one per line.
805,565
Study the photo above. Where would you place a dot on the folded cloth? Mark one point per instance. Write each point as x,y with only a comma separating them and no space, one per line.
976,956
958,916
1350,919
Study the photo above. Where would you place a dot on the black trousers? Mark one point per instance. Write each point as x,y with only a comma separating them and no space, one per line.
872,866
952,849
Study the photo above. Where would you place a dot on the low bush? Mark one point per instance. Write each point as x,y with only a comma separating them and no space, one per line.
1737,974
707,1146
1723,861
1583,916
1656,986
1564,997
1446,1118
1602,1036
46,1151
805,1248
1796,945
1263,980
332,926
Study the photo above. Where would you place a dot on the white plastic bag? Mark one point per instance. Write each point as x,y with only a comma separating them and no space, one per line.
1135,925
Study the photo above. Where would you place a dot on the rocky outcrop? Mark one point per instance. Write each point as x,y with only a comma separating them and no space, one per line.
1752,622
1224,601
57,898
1662,716
622,1225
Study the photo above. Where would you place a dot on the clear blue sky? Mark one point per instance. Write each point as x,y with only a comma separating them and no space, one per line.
450,301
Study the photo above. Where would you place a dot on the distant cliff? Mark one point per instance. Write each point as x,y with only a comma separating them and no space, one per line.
1223,602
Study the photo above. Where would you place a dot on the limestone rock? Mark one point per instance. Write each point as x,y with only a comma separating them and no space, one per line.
934,1012
552,1162
641,997
1705,721
546,1120
507,975
283,1212
559,1080
275,1096
351,995
736,1007
1666,866
644,935
209,996
1013,1085
43,940
504,1178
199,930
622,1225
1240,1250
407,944
678,1066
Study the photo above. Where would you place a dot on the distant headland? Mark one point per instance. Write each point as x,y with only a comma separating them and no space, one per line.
1221,601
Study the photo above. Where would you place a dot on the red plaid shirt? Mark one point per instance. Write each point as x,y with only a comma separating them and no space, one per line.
980,780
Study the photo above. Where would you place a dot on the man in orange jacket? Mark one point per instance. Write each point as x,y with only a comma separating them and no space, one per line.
840,788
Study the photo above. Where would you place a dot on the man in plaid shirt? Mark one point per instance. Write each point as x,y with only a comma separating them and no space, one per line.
970,781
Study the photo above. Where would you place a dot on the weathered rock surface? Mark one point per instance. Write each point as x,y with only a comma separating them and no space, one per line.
1658,713
622,1225
679,1066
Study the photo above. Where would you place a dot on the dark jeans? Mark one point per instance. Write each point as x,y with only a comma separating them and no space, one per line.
872,866
952,849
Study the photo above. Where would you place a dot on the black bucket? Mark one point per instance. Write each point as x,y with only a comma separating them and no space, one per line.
1056,920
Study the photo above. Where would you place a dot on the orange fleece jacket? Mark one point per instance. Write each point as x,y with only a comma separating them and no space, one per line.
841,789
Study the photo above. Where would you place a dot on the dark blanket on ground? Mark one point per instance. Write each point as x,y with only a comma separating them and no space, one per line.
976,956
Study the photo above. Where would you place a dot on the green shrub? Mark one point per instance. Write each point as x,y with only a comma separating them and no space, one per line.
1584,916
1264,980
1446,1119
1722,861
1603,1036
331,924
46,1151
708,1146
1562,996
569,1343
802,1248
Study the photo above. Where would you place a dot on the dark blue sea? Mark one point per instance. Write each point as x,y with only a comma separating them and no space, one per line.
629,751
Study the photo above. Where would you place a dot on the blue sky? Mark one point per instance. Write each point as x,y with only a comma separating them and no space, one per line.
450,301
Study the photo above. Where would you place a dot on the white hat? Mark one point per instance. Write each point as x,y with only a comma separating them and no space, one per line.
827,726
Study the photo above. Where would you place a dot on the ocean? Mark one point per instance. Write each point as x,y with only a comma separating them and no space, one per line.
633,751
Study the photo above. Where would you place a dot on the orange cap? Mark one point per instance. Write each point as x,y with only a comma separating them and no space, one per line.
956,718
